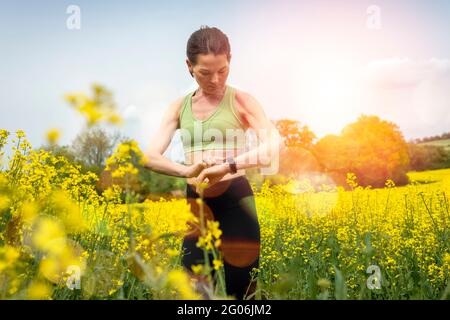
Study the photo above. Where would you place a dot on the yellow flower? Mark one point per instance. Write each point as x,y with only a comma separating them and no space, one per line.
203,185
217,264
55,266
4,133
29,212
11,254
447,259
20,133
351,180
389,183
120,162
8,255
4,202
180,281
209,246
158,270
53,135
173,252
197,268
90,112
112,291
39,291
115,119
143,160
119,282
200,242
98,108
3,180
68,211
48,234
213,226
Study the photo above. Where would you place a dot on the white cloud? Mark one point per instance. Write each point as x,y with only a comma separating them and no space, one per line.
414,94
398,72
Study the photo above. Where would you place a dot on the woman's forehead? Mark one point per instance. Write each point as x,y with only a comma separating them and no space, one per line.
211,60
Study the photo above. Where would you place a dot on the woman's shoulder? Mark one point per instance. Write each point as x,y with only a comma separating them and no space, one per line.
175,110
241,96
176,106
244,101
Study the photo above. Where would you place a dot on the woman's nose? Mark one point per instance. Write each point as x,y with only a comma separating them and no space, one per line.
215,79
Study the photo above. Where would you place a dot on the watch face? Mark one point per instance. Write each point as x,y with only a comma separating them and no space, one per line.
232,164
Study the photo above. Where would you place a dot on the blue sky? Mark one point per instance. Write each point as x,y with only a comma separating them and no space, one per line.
316,61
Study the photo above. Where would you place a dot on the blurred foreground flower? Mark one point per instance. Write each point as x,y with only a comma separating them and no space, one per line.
39,291
100,107
53,136
179,280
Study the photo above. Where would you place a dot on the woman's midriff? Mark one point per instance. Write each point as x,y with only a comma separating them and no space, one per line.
219,156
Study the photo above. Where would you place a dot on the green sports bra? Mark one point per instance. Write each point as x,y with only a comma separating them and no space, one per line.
221,130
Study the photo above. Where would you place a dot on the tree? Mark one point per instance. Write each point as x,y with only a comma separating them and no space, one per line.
297,157
373,149
428,157
294,134
64,151
93,146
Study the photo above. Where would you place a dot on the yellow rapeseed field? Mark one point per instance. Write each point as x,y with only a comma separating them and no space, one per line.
61,239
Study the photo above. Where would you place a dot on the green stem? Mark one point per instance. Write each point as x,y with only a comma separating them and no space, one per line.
203,233
221,276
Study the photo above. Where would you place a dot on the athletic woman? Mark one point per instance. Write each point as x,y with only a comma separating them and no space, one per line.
218,157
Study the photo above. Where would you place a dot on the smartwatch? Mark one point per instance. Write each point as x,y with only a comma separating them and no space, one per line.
232,164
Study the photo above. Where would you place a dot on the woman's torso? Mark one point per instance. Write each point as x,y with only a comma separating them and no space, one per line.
222,130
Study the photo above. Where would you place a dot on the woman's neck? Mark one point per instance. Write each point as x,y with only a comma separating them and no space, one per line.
218,95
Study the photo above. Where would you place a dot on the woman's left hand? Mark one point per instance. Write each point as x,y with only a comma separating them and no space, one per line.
212,175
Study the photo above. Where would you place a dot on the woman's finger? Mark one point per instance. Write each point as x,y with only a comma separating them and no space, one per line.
206,162
201,177
210,162
200,184
200,166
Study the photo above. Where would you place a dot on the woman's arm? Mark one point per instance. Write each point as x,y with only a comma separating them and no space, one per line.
270,141
160,141
265,155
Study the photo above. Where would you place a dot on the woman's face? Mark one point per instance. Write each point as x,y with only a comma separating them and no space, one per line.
210,72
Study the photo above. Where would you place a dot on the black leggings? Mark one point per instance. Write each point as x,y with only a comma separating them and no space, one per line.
232,204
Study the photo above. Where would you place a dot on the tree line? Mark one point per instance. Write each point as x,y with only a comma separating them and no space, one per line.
443,136
371,148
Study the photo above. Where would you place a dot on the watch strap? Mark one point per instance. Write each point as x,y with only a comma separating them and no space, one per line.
232,164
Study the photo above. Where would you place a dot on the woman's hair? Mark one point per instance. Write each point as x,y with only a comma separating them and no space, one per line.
207,40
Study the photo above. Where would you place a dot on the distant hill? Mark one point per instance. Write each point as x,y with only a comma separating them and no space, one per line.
442,137
443,143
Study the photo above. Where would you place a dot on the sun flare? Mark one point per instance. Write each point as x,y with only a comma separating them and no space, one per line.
328,92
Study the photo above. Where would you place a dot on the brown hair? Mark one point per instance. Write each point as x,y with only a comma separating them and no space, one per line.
207,40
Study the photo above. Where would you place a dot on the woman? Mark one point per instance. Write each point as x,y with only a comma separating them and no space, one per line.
216,158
